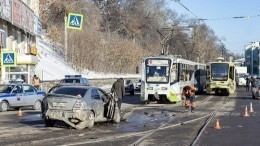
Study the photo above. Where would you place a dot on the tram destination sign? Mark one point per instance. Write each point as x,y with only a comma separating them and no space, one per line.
157,62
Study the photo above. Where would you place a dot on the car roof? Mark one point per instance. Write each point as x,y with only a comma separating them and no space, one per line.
15,84
78,86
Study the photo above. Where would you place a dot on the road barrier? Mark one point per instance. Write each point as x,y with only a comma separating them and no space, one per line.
246,113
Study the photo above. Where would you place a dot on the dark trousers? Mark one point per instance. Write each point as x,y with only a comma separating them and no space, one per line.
254,94
247,87
119,103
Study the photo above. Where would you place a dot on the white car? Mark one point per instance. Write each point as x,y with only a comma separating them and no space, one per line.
19,95
137,85
241,81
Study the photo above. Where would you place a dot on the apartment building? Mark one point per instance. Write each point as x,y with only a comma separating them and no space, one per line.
252,58
19,28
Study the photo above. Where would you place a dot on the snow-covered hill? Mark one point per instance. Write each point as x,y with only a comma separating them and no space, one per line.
51,65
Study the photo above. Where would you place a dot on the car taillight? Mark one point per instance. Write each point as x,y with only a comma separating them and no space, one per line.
79,105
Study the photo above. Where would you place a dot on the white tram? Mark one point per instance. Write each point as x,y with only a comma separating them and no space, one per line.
164,76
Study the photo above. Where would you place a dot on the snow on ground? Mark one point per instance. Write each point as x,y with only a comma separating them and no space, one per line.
51,65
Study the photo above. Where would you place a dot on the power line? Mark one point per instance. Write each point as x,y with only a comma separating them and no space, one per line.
181,4
207,19
236,17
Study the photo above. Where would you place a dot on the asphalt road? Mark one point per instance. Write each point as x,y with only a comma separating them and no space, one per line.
151,124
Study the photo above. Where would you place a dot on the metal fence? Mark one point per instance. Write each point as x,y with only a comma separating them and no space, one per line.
46,85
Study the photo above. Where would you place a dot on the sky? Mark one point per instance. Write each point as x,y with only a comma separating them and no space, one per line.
236,32
51,65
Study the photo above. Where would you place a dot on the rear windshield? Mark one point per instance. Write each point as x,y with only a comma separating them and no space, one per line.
70,81
71,91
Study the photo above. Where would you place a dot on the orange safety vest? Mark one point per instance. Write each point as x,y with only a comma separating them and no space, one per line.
36,81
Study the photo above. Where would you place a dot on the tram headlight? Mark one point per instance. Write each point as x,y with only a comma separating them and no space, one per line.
225,84
164,88
213,84
149,88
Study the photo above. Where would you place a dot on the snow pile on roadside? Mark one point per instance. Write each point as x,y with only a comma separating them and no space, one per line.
51,65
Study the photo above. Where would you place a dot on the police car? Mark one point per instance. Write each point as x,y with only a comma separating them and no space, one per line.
17,95
74,80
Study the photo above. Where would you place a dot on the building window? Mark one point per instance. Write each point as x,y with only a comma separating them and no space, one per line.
20,68
2,39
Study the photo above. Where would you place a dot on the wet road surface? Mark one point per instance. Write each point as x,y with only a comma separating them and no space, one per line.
151,124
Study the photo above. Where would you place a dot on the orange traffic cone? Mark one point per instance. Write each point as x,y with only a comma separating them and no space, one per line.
251,107
246,112
217,126
20,114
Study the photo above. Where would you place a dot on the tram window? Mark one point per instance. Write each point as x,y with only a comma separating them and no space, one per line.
208,72
174,66
231,73
173,75
191,72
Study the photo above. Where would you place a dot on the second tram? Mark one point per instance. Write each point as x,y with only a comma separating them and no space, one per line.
221,78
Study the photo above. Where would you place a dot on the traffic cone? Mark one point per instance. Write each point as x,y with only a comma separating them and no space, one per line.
251,108
246,112
20,114
217,126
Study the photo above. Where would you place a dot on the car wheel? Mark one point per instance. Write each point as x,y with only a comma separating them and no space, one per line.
48,122
91,120
37,105
3,106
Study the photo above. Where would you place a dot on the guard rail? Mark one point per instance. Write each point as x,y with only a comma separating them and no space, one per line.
47,84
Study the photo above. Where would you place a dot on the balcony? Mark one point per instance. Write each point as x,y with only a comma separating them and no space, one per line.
27,59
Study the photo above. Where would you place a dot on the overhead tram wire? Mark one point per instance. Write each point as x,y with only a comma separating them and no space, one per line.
206,19
181,4
236,17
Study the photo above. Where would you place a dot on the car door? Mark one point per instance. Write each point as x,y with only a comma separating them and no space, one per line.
19,96
30,96
97,103
105,99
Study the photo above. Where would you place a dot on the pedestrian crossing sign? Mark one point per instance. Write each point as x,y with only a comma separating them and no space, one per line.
75,21
8,58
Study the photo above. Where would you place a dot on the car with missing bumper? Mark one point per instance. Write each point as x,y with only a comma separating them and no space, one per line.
79,106
17,95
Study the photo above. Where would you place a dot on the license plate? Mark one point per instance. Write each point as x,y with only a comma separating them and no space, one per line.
58,104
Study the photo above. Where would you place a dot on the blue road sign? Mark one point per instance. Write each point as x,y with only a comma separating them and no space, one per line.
75,21
8,59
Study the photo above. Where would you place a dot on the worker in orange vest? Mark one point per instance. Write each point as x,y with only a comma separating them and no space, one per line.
36,82
189,94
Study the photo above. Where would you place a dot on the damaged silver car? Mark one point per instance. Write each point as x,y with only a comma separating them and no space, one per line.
79,106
